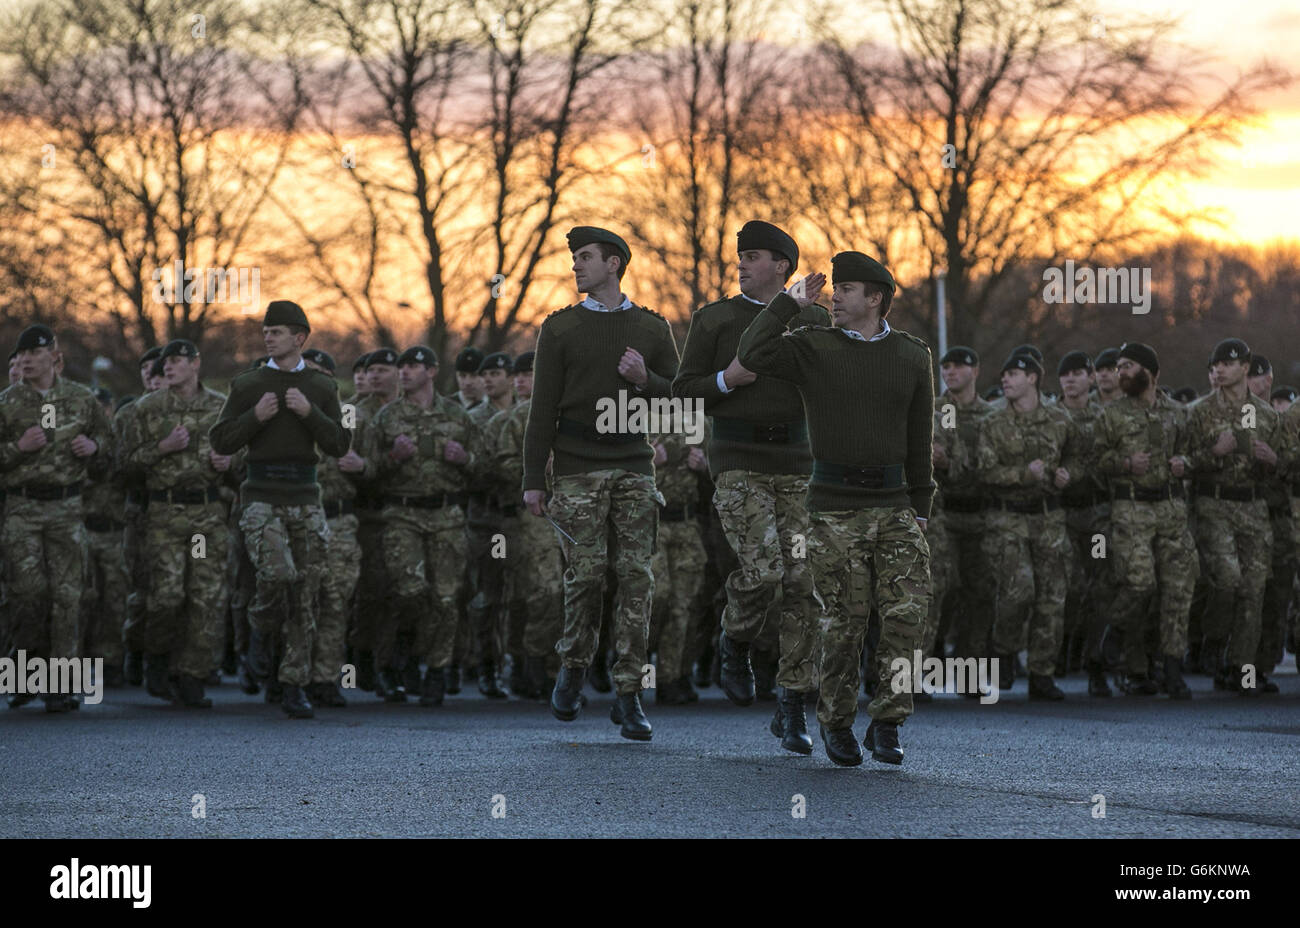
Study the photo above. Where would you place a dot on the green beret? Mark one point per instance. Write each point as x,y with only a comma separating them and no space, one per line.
1230,349
150,356
469,359
420,354
285,312
35,336
524,363
757,234
323,358
381,356
1142,354
1023,362
180,348
1259,366
496,361
1106,358
1074,361
854,265
1031,350
360,363
1284,393
580,236
960,354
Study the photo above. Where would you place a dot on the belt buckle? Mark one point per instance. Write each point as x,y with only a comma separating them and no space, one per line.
776,433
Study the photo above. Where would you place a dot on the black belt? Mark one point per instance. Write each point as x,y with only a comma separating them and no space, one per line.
47,493
423,502
1146,494
104,524
867,476
775,433
575,429
185,497
1029,506
963,503
1232,494
285,473
677,513
337,507
1083,499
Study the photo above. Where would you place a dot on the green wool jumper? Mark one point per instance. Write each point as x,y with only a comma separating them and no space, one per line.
578,350
711,344
285,438
867,403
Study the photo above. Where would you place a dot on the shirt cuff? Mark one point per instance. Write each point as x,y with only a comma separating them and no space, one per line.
722,382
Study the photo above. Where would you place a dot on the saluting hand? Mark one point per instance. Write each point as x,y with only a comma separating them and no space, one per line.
32,440
806,290
266,407
297,403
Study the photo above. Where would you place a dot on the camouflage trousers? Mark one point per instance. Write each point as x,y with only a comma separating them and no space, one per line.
186,606
1277,591
678,568
1090,588
864,559
1236,540
538,570
969,584
287,546
1153,554
137,568
104,603
765,517
241,579
486,576
422,552
342,569
942,576
612,516
1028,553
370,603
45,564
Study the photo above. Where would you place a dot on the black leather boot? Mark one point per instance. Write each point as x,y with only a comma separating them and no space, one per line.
1042,686
247,682
566,698
453,679
598,674
764,665
295,703
737,673
1097,685
628,713
1175,685
274,692
366,671
1139,684
793,728
389,685
488,682
58,702
327,694
434,686
703,666
881,740
841,747
411,674
1006,671
189,693
156,680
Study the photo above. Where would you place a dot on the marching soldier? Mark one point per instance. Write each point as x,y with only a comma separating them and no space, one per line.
337,476
53,436
1106,368
871,488
759,460
1141,444
469,394
1018,455
185,528
1233,437
956,528
427,448
604,349
282,413
106,589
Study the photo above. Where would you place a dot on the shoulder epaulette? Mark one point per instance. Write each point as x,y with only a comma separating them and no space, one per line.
811,328
557,312
913,338
646,309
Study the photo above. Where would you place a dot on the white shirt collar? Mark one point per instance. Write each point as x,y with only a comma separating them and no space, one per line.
599,307
751,299
270,362
854,333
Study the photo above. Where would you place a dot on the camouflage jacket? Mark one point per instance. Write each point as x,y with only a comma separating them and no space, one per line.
427,472
1009,440
677,483
1129,426
153,420
65,411
1080,457
956,430
1210,416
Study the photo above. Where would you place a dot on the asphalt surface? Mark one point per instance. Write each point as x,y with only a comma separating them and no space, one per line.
1217,766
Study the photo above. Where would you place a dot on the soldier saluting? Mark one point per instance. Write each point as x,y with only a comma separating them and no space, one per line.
604,480
868,393
282,412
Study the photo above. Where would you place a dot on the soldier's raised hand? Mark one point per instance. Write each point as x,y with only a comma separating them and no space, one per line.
32,440
806,290
403,448
266,407
455,452
1226,443
84,447
220,462
298,404
177,440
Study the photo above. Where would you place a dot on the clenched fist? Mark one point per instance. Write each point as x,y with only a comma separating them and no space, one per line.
266,407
